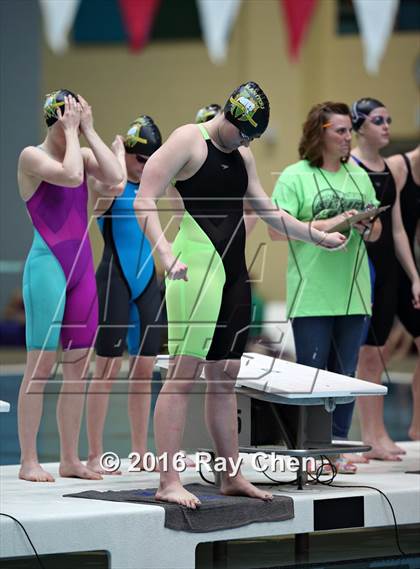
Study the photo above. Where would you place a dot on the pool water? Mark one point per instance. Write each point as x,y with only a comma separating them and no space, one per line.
116,433
398,405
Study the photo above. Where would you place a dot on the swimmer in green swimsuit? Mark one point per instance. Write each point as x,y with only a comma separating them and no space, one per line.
208,294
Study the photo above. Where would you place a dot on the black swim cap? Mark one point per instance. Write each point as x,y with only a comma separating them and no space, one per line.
207,113
248,109
143,137
53,101
361,109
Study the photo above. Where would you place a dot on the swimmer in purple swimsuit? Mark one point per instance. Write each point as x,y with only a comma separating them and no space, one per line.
59,288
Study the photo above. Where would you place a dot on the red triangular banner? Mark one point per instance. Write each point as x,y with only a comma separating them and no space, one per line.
298,14
138,17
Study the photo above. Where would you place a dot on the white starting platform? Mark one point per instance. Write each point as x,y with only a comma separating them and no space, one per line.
294,383
4,406
135,536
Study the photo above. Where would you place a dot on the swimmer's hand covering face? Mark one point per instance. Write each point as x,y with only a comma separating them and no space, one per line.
53,102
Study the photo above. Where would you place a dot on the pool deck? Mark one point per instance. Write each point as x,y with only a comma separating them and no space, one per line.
135,535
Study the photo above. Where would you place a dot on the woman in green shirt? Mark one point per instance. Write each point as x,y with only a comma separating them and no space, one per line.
328,293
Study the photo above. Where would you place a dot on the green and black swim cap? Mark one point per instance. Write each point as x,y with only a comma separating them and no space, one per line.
143,137
207,113
361,109
53,101
248,109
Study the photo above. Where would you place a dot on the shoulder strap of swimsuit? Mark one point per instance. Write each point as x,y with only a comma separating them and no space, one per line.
204,132
407,163
358,162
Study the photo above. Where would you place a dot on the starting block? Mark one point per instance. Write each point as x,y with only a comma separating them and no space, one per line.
283,408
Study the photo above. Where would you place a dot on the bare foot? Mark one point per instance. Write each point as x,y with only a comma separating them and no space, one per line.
355,458
176,493
94,464
33,472
344,466
395,449
77,470
381,453
239,486
414,434
387,444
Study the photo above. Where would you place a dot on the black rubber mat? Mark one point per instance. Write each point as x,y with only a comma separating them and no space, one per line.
216,512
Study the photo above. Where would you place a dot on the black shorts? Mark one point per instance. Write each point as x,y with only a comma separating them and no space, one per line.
122,320
384,308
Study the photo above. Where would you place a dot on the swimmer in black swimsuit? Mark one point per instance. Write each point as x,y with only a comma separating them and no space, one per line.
208,292
129,298
371,121
406,171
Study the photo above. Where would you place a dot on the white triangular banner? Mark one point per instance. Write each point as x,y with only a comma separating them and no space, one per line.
376,21
217,18
58,16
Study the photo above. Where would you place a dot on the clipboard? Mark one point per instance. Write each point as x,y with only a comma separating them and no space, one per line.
360,216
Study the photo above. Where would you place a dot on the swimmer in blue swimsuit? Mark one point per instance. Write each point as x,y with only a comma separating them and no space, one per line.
129,300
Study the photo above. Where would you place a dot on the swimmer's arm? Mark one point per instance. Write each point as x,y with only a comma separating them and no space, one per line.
100,189
402,246
250,217
398,170
101,195
35,163
100,162
175,202
278,219
275,235
100,202
161,168
369,231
